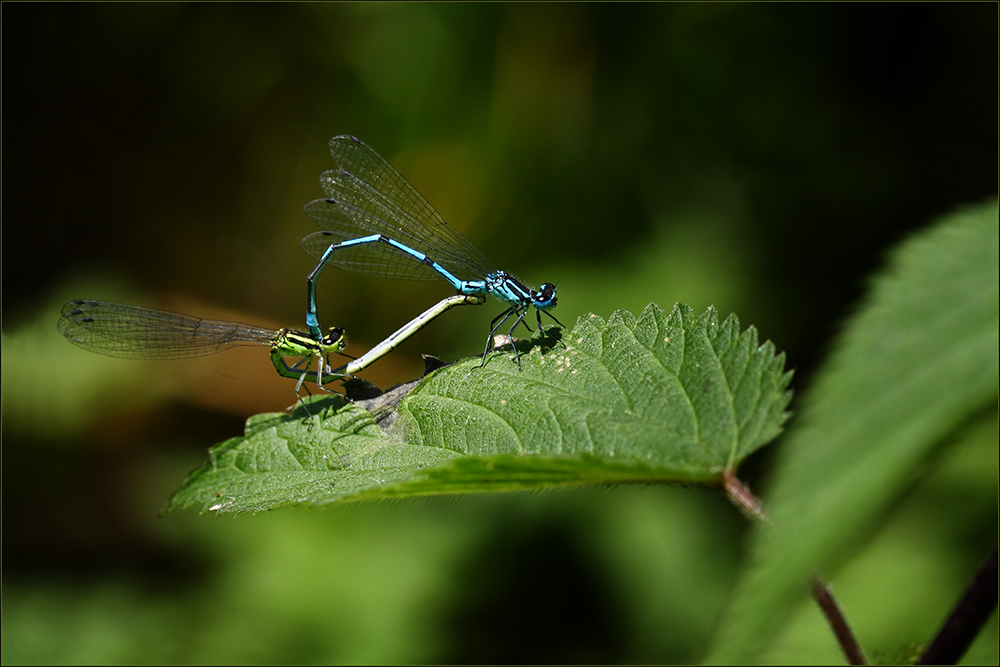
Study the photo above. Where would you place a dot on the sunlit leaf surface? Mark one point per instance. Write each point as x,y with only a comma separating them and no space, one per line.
661,397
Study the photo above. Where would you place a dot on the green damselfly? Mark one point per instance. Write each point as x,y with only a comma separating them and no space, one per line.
135,332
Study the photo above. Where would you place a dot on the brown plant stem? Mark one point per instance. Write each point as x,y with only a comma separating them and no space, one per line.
967,618
749,504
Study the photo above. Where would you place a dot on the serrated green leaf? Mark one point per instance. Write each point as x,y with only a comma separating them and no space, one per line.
678,397
917,362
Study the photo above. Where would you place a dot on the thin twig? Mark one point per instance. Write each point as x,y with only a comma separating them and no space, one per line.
848,642
742,497
967,618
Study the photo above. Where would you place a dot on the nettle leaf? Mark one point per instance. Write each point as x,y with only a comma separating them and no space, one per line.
675,397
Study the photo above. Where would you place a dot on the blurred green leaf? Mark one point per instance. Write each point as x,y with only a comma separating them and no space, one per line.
917,364
676,397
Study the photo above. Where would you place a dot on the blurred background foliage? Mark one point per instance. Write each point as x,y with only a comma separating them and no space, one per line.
758,157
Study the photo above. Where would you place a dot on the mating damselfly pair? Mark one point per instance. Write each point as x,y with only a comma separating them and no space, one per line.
375,223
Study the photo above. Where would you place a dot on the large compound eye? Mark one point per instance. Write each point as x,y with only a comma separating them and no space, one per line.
336,335
546,296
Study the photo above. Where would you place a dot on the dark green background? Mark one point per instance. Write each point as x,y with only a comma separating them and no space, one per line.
758,157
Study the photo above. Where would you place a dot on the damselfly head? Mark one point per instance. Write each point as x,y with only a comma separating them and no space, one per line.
545,297
335,337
